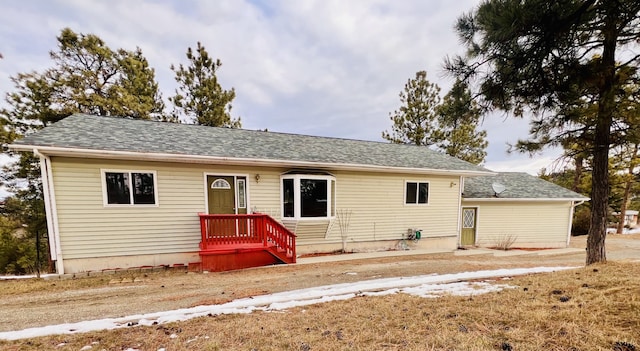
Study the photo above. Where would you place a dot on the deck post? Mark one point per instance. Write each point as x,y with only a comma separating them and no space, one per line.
203,232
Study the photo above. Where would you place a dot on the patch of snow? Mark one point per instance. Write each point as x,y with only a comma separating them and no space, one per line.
624,231
631,230
456,289
30,276
425,285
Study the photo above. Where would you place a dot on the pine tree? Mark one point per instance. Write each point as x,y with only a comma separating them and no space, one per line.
458,118
199,96
86,76
415,121
450,126
543,56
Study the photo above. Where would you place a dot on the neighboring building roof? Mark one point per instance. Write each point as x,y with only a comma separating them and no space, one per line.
517,186
120,137
626,213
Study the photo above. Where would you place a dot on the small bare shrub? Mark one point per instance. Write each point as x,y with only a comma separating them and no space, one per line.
344,220
505,242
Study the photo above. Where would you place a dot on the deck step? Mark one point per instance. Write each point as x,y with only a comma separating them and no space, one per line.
258,238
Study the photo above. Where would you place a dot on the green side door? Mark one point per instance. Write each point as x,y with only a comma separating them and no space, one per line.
469,221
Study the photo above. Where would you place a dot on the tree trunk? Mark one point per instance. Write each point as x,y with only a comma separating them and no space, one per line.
599,200
623,207
602,140
633,156
577,177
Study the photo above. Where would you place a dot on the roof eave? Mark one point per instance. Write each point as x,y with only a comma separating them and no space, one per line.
185,158
506,199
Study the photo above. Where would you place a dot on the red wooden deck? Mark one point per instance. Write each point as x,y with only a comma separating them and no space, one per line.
244,240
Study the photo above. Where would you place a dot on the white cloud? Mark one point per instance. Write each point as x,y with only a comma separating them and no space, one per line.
524,163
331,68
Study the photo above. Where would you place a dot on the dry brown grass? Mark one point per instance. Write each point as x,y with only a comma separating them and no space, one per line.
593,308
25,286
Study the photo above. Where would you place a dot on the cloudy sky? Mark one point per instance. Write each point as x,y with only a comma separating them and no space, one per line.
325,67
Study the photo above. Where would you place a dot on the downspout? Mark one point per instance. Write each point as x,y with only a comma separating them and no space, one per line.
459,228
51,212
573,207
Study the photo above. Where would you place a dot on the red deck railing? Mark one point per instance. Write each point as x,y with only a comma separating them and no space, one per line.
224,231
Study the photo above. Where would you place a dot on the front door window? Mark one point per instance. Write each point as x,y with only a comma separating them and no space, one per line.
469,218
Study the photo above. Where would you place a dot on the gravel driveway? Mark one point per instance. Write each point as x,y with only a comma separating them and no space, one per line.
132,293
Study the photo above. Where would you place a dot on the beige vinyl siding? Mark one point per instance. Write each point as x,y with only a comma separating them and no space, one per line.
378,209
265,194
89,229
379,212
534,224
308,230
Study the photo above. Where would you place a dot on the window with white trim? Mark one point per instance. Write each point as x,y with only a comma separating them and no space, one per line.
220,184
468,218
242,192
416,193
308,196
129,188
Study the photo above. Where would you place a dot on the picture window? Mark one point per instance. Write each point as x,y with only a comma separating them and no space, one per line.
130,188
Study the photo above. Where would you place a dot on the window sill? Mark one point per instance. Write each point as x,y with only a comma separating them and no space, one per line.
308,219
131,205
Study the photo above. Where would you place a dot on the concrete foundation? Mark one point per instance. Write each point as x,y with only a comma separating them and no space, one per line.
79,265
428,243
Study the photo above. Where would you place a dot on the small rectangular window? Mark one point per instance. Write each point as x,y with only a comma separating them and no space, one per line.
333,198
416,193
313,197
423,193
117,188
143,189
288,198
411,193
130,188
242,197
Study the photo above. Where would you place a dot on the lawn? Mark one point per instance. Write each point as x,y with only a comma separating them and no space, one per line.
593,308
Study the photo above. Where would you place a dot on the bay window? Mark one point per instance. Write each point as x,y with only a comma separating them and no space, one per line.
308,196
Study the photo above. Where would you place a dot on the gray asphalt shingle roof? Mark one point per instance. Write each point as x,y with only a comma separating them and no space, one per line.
80,131
518,186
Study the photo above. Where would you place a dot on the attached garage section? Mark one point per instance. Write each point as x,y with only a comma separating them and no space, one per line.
528,224
516,210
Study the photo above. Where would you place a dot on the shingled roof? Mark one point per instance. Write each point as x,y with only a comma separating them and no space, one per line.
518,186
94,133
